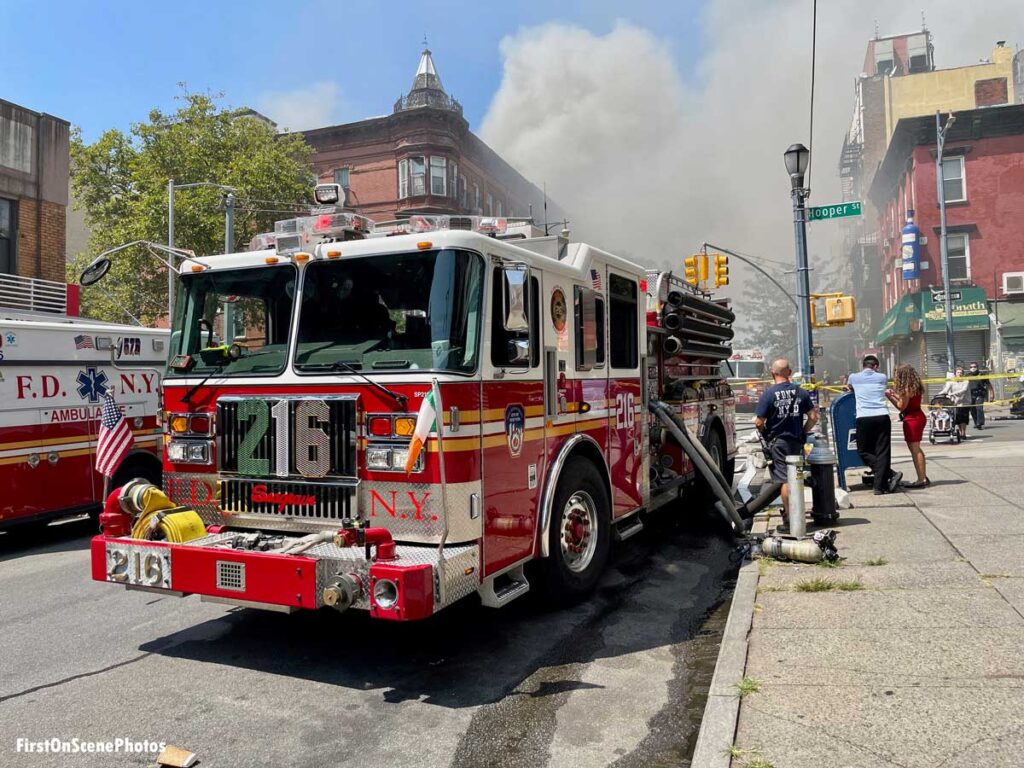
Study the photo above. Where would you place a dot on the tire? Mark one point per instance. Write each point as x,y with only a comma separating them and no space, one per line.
137,466
716,449
580,534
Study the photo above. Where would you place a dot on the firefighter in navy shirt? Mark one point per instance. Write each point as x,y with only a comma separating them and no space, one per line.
785,415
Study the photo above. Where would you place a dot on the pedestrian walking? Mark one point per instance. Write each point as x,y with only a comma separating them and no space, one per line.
874,428
906,396
785,414
980,390
956,390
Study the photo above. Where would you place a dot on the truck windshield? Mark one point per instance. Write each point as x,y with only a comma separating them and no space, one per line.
748,369
392,312
248,307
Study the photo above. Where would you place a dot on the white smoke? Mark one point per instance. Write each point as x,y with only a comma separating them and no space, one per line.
650,163
309,106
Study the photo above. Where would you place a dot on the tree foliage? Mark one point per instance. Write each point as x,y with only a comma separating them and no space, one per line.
120,181
766,320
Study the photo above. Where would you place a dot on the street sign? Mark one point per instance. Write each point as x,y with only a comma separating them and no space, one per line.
939,297
817,350
838,211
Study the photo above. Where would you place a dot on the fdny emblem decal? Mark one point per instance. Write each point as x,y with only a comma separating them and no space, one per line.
92,384
515,426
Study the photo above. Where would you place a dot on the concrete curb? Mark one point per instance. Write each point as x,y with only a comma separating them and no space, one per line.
721,713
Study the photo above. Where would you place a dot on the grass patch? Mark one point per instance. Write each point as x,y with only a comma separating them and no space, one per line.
770,588
850,585
830,563
748,685
750,758
817,584
759,762
875,561
763,564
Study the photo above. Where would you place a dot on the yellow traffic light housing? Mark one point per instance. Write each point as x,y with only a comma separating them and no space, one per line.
721,270
703,268
690,269
840,310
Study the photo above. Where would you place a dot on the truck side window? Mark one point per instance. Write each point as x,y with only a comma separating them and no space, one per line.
500,337
623,321
589,313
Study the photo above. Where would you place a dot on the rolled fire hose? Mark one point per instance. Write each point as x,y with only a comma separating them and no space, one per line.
299,546
704,464
157,517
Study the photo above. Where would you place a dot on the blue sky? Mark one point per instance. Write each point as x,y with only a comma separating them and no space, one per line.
106,64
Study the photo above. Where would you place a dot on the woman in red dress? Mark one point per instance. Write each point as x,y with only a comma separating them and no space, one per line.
906,396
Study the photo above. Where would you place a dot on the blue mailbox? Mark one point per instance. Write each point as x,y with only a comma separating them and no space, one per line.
844,435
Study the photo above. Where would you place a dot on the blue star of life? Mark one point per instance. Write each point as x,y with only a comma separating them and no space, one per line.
92,384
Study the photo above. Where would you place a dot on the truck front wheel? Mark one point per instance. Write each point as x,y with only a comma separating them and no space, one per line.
579,536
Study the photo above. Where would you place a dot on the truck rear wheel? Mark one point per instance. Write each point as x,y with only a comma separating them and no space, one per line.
579,535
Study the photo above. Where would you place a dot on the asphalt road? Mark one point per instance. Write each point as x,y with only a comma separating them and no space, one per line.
618,680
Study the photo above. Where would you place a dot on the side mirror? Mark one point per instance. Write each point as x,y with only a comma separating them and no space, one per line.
519,351
95,271
515,298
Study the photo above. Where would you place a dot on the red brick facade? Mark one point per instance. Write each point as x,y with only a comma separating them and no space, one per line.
990,92
41,250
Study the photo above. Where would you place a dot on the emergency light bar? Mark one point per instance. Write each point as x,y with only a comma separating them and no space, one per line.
487,225
263,241
297,234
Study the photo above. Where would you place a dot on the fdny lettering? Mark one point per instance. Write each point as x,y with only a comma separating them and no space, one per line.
189,492
282,500
47,386
62,415
392,507
138,383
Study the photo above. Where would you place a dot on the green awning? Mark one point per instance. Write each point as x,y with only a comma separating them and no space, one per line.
1011,320
896,323
970,310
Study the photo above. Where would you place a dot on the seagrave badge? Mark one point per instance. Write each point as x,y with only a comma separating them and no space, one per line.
515,426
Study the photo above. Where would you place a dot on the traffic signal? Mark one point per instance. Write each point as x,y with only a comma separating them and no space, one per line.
690,270
840,310
704,268
721,270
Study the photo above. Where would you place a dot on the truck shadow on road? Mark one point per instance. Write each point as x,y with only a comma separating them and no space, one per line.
63,536
659,589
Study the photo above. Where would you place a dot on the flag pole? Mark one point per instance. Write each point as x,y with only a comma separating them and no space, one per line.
439,411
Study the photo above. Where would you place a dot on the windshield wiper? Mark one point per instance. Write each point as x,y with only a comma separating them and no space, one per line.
188,395
341,365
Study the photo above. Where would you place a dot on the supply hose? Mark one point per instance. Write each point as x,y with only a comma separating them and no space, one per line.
704,464
156,516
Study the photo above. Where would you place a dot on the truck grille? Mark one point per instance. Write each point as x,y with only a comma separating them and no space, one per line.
285,461
297,501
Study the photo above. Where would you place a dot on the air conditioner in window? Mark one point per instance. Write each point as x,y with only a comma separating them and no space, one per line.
1013,283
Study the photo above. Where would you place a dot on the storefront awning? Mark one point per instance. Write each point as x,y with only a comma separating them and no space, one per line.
896,323
970,313
1011,320
970,310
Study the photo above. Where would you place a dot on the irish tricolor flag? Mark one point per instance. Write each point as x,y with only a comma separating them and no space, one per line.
425,421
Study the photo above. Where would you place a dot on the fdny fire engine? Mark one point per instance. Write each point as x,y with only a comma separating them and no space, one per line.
55,369
747,373
393,417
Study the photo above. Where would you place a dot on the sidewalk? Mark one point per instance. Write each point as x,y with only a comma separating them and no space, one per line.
914,653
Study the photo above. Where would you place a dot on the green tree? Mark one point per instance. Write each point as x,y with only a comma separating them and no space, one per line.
120,181
766,320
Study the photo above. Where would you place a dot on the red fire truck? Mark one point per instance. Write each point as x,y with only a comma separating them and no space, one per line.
747,372
524,365
54,371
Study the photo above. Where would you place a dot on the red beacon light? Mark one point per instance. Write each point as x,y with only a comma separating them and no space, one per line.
298,234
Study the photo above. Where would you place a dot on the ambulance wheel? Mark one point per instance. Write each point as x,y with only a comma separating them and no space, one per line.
579,535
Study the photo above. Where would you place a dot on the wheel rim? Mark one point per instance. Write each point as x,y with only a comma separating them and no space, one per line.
715,451
579,531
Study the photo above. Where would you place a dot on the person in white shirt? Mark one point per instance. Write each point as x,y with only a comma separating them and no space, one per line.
874,428
957,392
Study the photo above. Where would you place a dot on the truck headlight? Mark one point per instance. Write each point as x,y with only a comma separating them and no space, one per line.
188,452
378,458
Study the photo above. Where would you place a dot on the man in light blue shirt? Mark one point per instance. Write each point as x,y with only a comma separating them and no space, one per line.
874,429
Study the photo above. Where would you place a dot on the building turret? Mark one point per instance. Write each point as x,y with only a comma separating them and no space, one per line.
427,90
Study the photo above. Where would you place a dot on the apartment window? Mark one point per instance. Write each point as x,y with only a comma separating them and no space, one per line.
953,187
958,252
341,177
498,211
8,227
476,198
490,204
403,179
438,176
454,184
463,194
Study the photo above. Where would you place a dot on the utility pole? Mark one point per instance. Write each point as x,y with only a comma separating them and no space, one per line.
940,187
170,244
229,247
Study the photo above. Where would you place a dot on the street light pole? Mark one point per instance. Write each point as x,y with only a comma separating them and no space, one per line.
170,244
797,158
940,188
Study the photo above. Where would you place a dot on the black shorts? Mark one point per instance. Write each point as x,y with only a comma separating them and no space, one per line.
779,449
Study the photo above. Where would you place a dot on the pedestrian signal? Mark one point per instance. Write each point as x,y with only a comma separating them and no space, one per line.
839,310
721,270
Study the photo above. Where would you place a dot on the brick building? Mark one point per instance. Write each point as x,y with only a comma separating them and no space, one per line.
983,182
34,164
899,80
422,158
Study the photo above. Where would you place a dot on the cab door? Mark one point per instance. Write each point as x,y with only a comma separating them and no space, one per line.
625,401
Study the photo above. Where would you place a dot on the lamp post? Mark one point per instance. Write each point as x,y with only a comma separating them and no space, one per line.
797,158
940,188
229,224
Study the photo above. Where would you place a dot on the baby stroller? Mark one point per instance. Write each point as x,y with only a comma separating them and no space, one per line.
940,420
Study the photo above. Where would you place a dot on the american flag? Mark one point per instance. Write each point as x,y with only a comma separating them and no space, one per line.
595,279
115,438
83,342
